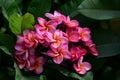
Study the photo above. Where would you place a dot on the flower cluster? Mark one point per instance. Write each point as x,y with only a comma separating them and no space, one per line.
62,39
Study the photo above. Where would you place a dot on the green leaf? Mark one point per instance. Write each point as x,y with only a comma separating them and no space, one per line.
87,76
4,49
98,9
65,72
7,41
71,7
15,21
39,7
18,75
43,77
9,7
100,14
108,43
28,21
107,50
19,23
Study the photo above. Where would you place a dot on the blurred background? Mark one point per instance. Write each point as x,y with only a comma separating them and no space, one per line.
101,16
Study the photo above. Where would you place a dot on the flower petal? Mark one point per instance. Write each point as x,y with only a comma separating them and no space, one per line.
87,65
21,66
93,50
58,59
82,71
74,36
20,47
50,16
56,13
55,44
41,21
66,54
86,37
80,60
49,37
73,23
39,70
51,53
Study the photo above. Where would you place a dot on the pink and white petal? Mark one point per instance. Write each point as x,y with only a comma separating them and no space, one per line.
20,38
74,37
39,70
50,16
38,27
19,52
49,37
41,60
28,64
55,50
56,13
57,34
64,40
63,47
79,70
21,66
32,59
88,43
53,23
68,19
20,41
30,34
86,37
58,59
31,68
51,53
75,23
42,21
93,50
51,28
87,65
20,47
80,60
55,44
66,54
76,67
82,71
28,45
87,30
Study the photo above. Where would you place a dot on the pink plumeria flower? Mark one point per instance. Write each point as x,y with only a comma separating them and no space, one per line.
37,65
76,52
31,39
82,67
45,26
84,33
21,63
57,38
20,44
56,16
23,57
59,53
22,52
73,35
70,23
91,47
